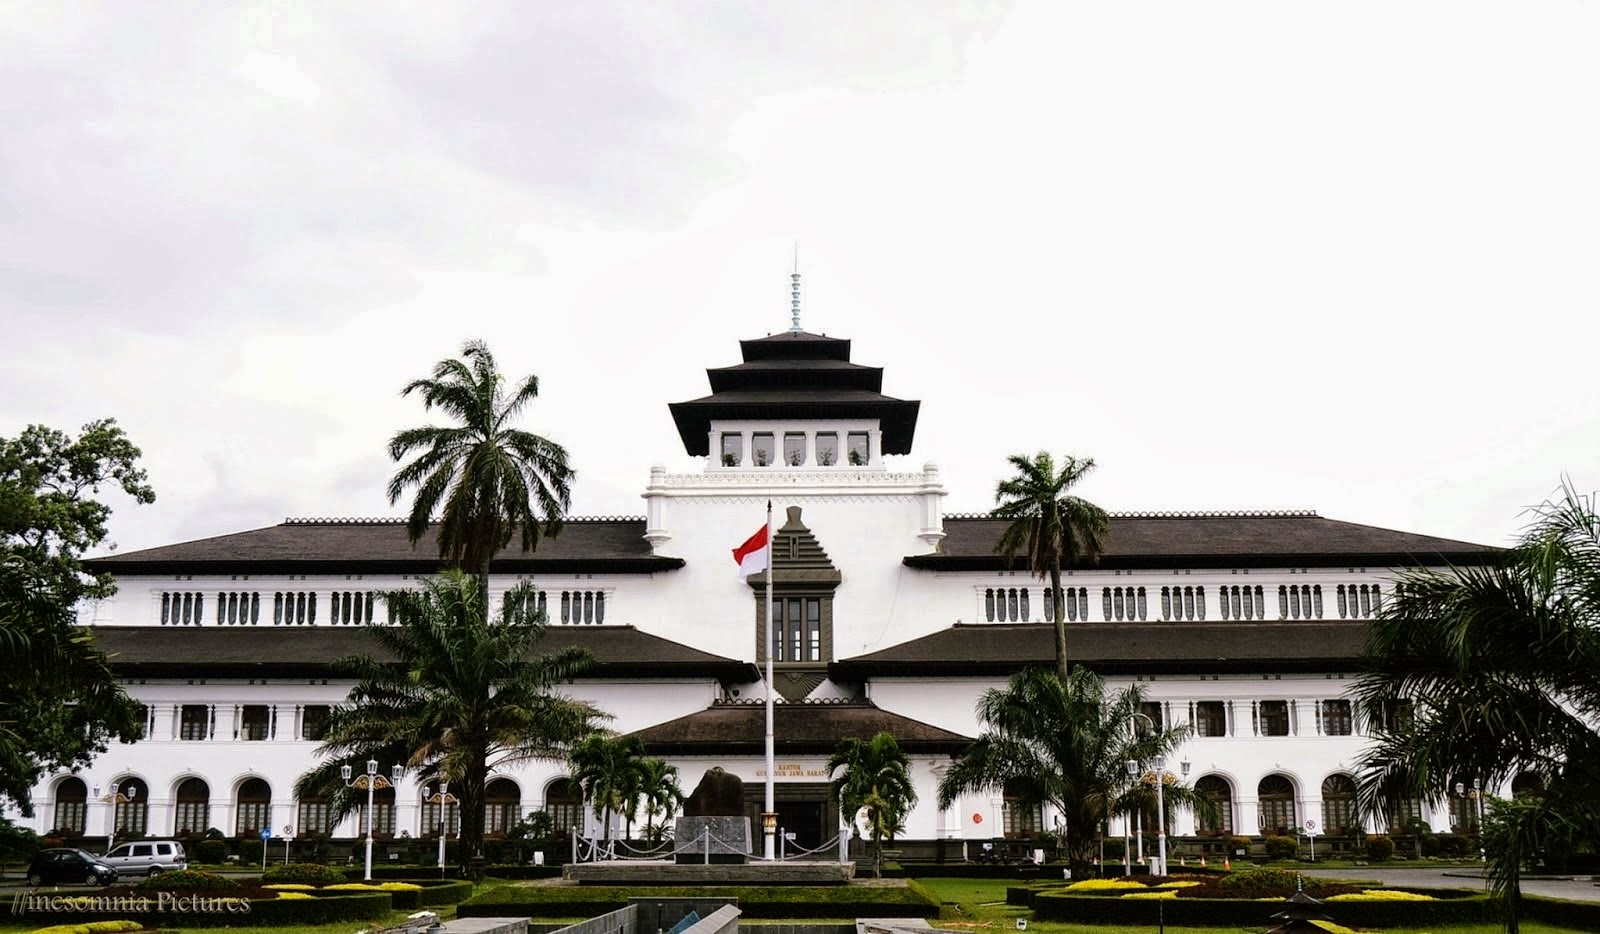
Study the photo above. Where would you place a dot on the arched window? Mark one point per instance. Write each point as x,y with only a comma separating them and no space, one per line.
432,819
1023,808
502,800
1275,795
1217,789
193,811
1339,805
563,801
132,815
255,808
988,604
1403,815
1526,783
72,803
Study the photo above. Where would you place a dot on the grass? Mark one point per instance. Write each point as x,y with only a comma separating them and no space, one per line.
979,905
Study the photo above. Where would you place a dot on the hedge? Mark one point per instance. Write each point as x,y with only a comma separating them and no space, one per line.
1450,908
273,912
777,901
1581,916
413,873
312,873
430,892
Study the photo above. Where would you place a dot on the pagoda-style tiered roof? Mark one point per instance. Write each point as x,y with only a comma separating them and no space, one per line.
796,375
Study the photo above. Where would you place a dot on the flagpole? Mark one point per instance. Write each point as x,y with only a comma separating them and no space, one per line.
769,818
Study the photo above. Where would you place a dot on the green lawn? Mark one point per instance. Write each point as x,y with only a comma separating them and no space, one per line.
979,904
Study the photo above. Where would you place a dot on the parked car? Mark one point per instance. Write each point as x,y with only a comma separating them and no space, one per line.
59,865
146,857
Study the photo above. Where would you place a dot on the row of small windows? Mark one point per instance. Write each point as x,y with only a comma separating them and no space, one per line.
352,608
580,606
294,608
1245,602
764,453
182,608
1295,601
1359,601
1183,603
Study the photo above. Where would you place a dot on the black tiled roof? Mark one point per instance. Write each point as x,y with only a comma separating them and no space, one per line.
296,651
797,728
1217,540
795,375
1172,647
379,546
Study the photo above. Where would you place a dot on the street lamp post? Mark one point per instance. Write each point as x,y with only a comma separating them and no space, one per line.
444,799
1476,797
115,799
371,781
1160,763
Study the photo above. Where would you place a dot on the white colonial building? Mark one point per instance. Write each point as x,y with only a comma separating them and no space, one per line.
890,615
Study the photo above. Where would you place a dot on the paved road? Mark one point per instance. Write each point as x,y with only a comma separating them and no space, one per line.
1580,888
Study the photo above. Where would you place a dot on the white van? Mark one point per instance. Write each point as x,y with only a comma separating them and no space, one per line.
147,857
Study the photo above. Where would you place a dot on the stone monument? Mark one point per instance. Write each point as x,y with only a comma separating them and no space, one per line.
714,822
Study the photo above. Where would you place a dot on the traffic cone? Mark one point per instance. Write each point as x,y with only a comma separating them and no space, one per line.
1202,862
1183,861
1227,863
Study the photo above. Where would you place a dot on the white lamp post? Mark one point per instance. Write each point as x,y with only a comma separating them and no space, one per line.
1160,764
115,799
444,799
371,781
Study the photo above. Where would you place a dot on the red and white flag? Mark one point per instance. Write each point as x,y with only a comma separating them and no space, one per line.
754,555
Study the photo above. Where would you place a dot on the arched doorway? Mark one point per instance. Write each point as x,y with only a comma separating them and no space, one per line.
133,814
1339,815
1275,794
563,801
1219,792
255,808
72,807
502,799
192,813
313,817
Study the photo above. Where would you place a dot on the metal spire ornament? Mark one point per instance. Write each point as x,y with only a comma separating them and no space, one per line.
794,294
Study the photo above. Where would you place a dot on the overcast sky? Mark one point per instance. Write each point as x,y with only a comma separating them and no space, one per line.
1338,256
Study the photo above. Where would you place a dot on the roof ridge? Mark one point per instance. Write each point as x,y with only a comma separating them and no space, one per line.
1181,514
384,520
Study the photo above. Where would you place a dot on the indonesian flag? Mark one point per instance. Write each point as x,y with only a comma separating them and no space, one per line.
752,556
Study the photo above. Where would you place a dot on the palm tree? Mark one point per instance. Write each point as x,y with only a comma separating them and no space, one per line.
453,697
877,777
484,479
1070,744
610,769
1499,668
1052,527
662,796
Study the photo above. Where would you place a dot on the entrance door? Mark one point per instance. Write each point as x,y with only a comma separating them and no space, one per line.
805,809
803,819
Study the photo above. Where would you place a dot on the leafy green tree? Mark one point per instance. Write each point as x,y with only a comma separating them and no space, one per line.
482,480
877,777
610,770
662,796
453,696
62,705
1050,526
1069,743
1499,668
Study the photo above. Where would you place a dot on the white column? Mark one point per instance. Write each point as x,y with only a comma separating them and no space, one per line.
875,447
811,449
655,499
1247,822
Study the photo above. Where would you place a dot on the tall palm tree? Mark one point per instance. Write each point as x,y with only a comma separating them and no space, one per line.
662,795
610,770
1050,526
453,697
1070,743
877,777
1499,666
483,479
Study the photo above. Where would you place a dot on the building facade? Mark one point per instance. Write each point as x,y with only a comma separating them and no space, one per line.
888,614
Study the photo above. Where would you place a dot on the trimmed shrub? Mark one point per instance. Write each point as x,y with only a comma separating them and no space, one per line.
1453,844
93,927
1381,895
1379,848
292,895
211,851
1237,912
250,852
1094,886
290,887
1282,848
1115,847
187,880
1238,844
779,901
310,873
278,911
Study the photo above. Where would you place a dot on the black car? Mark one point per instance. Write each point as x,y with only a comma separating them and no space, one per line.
59,865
